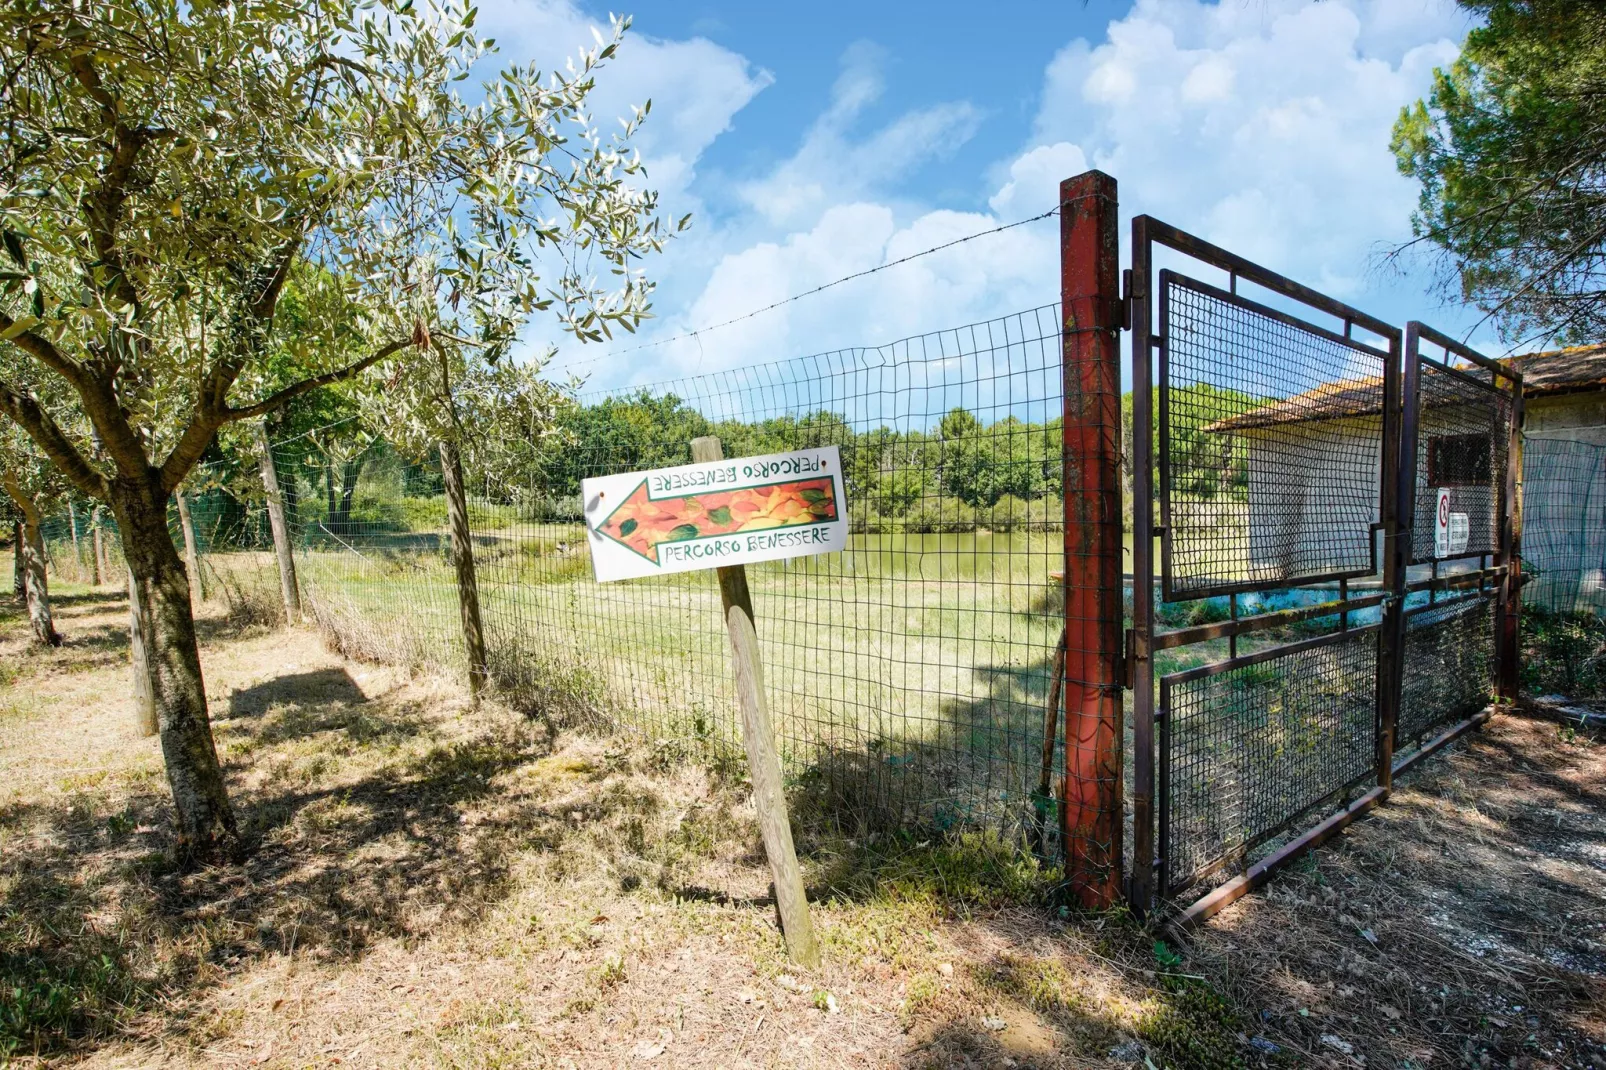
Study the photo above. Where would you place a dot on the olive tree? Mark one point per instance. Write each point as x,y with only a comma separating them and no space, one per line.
33,486
167,165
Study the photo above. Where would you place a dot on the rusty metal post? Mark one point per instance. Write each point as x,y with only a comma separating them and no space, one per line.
1510,598
1091,811
1140,670
1401,416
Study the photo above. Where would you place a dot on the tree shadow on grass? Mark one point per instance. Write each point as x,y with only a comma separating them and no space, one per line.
320,687
360,831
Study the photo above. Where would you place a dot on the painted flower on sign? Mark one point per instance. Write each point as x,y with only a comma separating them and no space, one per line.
642,523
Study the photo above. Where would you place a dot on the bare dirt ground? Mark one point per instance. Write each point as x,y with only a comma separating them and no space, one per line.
436,885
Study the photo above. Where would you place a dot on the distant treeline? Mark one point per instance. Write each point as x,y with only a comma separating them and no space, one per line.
959,475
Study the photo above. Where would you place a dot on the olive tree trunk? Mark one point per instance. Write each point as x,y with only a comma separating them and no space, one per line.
30,562
17,587
192,559
161,617
36,586
468,591
281,530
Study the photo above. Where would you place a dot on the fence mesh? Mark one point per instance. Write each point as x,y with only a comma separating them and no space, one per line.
1249,747
1448,664
1463,437
1271,465
1564,564
909,677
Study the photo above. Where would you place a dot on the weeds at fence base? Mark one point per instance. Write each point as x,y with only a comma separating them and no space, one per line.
539,684
1563,653
252,598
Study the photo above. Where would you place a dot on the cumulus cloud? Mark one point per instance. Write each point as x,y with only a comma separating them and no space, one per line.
696,86
1262,126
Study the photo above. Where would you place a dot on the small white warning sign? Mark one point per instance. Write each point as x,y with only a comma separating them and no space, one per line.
1441,524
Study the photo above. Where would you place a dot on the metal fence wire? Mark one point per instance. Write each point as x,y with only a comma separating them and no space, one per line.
1564,525
910,677
1271,468
1309,629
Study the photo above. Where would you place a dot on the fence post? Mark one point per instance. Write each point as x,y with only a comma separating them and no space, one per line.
144,695
98,549
77,554
17,585
764,765
1510,604
1091,798
1402,410
191,558
468,591
281,531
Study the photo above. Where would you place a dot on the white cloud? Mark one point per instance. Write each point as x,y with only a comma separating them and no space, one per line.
1262,125
696,86
831,167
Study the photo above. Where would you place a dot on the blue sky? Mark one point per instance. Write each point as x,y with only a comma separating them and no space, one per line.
812,141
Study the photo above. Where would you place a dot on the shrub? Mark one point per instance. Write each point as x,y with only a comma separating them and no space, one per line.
940,516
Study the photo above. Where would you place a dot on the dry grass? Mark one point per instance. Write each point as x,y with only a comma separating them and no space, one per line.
437,885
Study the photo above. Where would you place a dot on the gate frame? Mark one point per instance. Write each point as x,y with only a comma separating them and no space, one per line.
1507,559
1147,346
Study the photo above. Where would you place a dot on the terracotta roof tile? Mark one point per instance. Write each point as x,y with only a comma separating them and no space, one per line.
1552,372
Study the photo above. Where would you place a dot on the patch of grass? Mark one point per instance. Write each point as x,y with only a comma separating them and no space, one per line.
959,869
1188,1025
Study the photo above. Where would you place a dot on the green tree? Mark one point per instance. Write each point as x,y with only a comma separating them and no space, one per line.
167,167
33,486
1508,148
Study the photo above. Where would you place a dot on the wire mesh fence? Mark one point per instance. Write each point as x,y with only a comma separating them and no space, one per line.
909,677
1271,468
1564,561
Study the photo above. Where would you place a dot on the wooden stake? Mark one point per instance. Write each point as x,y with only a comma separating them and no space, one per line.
764,765
192,560
281,531
468,591
138,632
99,548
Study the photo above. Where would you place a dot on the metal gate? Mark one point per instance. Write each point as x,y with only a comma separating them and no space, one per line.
1299,602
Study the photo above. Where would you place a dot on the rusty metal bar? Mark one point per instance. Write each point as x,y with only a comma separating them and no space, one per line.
1091,811
1216,667
1257,874
1183,242
1140,895
1510,606
1397,510
1450,345
1200,633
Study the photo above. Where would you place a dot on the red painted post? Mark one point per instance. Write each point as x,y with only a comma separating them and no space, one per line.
1090,815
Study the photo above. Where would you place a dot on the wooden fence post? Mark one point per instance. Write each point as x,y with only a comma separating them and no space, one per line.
98,549
764,764
281,531
468,591
77,554
140,669
191,558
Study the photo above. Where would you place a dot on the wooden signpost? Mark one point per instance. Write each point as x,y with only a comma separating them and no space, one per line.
718,514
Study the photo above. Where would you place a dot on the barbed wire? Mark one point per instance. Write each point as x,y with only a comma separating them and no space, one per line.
700,331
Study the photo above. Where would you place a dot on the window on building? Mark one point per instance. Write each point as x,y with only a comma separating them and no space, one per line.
1460,461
